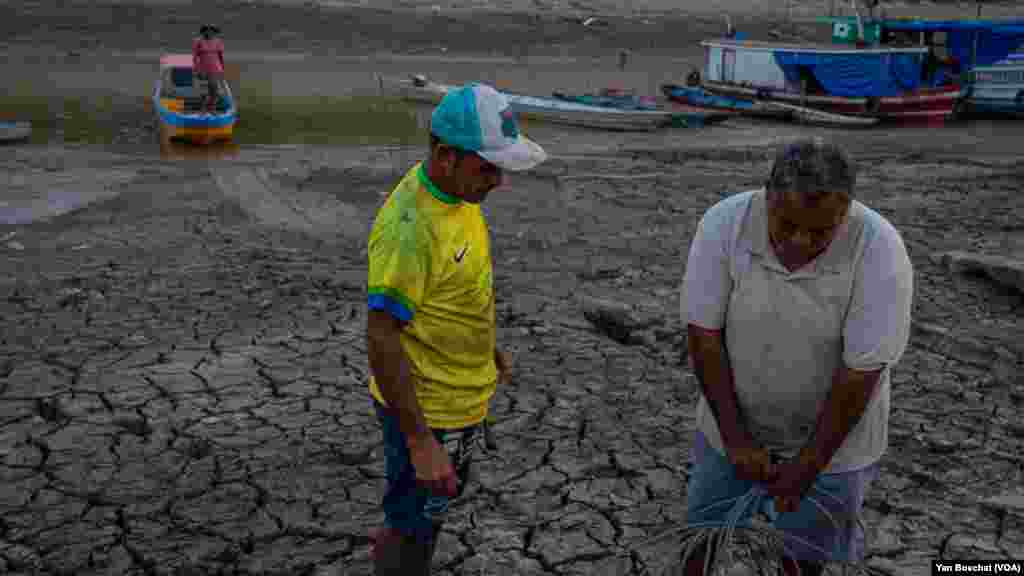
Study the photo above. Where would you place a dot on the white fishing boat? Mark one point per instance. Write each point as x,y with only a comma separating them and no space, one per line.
419,89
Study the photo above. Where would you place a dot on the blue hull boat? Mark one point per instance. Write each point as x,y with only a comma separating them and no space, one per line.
699,97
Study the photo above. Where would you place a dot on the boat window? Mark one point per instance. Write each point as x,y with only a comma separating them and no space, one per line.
182,77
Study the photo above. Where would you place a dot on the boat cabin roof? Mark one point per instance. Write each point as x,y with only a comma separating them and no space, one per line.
755,45
914,25
176,61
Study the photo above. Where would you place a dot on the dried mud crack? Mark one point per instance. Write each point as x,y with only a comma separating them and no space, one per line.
182,355
195,403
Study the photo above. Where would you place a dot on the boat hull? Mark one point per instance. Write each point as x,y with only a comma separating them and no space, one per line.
777,110
196,135
924,106
993,107
549,109
700,98
684,115
180,125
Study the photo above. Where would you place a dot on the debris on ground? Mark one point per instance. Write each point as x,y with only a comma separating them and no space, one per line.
1008,272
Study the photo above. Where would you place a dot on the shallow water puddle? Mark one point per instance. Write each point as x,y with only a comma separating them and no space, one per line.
32,196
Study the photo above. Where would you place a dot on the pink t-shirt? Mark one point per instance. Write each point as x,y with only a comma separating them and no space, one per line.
207,55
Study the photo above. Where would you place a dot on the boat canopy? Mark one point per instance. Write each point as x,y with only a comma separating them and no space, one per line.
854,75
176,61
996,38
839,70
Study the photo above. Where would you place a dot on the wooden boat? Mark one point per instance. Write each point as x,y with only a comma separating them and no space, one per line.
419,89
610,99
967,43
701,98
178,100
684,114
700,116
995,90
778,110
804,115
977,53
843,80
14,131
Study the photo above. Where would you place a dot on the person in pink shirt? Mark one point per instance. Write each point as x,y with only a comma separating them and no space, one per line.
208,61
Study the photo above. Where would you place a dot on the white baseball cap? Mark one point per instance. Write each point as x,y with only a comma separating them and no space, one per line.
477,118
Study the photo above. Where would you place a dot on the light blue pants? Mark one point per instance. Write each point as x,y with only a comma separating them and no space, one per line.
810,533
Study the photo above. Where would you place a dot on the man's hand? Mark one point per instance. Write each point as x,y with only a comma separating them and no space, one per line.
433,467
794,479
752,462
504,363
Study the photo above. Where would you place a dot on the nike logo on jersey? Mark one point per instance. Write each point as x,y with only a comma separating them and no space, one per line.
458,257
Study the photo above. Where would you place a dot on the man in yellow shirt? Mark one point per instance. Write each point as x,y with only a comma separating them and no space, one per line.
431,328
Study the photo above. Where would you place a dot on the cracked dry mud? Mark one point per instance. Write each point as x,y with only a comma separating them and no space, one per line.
182,382
182,369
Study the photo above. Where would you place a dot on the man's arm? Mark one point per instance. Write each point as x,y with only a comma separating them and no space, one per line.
875,334
844,406
391,371
711,366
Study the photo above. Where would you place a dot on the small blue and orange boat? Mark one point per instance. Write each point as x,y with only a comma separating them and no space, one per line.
179,103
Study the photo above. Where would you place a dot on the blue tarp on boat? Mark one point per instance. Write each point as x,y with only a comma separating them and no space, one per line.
996,39
855,75
698,97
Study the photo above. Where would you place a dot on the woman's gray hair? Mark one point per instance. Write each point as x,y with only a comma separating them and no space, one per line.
813,166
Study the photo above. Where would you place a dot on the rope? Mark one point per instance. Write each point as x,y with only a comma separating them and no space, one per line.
758,545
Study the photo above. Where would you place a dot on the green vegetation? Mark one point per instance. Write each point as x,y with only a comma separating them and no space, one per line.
263,117
83,119
317,119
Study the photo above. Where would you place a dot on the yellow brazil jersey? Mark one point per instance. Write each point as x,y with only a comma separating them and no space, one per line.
430,265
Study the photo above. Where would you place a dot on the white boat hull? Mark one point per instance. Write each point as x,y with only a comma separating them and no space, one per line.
544,109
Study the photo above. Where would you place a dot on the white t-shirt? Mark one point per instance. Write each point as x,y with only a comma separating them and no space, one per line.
787,332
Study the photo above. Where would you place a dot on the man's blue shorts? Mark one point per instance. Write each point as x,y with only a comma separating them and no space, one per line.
810,534
408,508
